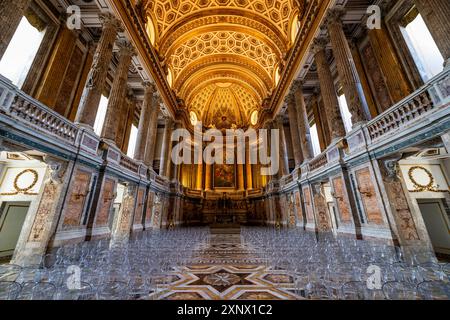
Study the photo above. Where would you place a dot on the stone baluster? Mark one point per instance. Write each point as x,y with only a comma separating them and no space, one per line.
118,91
436,15
11,12
346,67
93,90
303,123
295,135
328,90
144,121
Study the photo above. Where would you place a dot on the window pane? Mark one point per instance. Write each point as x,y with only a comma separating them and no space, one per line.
19,55
345,113
132,143
101,114
426,54
315,140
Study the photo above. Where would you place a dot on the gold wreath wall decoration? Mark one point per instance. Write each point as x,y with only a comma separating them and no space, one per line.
25,190
423,187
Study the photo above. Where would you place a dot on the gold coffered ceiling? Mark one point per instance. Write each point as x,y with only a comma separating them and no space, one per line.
223,56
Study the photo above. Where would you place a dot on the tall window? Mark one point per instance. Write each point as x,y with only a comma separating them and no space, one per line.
421,44
345,113
21,51
101,115
132,142
315,140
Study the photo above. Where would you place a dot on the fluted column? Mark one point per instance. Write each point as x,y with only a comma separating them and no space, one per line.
118,91
165,146
11,12
346,67
436,15
328,91
123,119
93,90
144,121
303,123
284,162
295,135
152,130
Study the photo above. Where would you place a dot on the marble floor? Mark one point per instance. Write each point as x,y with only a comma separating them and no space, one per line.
226,269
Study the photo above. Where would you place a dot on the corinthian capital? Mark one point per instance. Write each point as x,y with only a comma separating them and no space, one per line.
335,16
109,20
126,48
319,44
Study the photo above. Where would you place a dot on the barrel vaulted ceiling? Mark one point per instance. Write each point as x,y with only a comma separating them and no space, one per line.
223,57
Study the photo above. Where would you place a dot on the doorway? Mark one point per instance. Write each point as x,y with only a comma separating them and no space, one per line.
12,218
437,224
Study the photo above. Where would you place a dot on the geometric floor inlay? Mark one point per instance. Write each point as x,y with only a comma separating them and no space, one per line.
228,270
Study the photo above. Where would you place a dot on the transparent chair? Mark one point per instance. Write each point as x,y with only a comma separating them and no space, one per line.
84,292
434,290
9,290
112,290
37,291
396,290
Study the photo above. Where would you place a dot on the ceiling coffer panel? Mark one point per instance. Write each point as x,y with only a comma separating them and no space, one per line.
223,56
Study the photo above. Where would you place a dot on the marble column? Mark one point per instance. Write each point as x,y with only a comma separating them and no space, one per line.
319,122
93,90
436,15
295,135
284,162
240,173
199,177
144,121
303,123
208,177
118,91
11,12
152,130
165,155
346,67
248,168
328,90
123,119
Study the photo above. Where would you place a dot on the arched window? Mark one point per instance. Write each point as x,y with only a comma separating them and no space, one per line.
295,27
151,32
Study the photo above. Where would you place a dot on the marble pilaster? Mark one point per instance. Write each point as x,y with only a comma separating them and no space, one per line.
436,15
11,12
